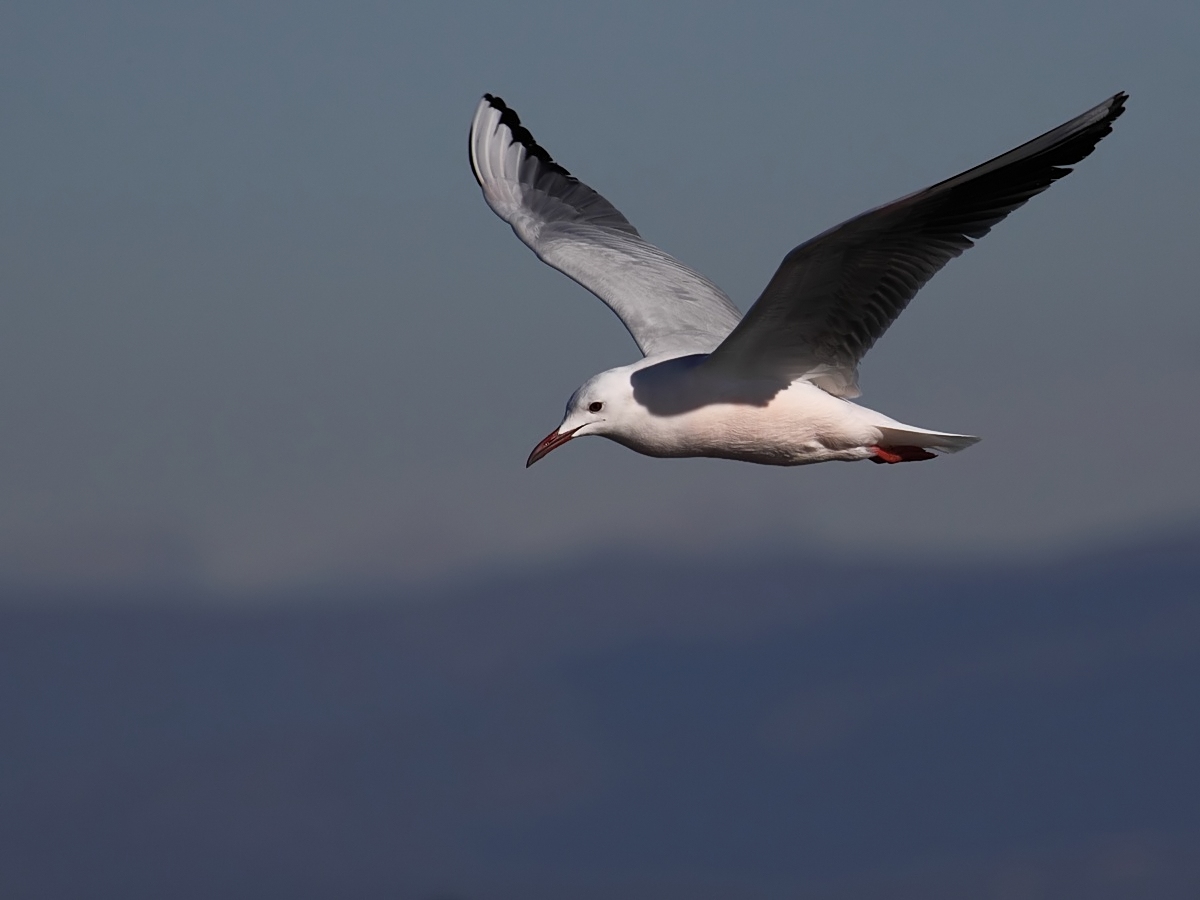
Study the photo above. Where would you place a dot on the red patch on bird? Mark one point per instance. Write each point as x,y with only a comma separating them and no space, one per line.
900,453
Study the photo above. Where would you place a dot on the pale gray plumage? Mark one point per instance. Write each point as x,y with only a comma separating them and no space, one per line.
667,307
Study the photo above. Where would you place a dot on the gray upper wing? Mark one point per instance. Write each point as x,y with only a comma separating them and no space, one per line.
667,307
836,294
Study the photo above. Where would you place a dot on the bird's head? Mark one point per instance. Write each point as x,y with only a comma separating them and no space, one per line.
601,406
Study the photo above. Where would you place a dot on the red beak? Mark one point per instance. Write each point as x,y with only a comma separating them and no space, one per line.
552,440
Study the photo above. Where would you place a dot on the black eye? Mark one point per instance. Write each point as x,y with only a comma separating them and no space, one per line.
595,406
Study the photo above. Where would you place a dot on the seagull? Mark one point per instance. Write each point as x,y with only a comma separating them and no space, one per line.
774,386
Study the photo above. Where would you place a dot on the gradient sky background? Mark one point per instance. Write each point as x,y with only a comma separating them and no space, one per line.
258,327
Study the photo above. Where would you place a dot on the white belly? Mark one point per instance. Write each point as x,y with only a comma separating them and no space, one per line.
801,424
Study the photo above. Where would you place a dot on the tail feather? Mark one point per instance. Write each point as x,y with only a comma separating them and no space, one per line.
929,440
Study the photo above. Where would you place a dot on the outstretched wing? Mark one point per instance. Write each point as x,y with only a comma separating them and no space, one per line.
836,294
666,306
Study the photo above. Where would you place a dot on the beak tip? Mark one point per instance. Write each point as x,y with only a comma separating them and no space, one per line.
551,441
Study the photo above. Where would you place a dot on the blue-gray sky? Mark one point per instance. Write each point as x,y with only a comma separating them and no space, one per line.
257,325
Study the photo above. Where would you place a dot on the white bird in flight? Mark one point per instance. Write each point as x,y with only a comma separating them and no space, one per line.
775,386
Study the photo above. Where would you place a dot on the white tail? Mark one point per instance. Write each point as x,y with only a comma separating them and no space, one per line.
930,440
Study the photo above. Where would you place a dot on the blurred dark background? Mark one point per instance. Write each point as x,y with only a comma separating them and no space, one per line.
617,727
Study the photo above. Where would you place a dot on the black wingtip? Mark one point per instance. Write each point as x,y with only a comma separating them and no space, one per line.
1093,134
1116,105
1116,108
510,120
1050,163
